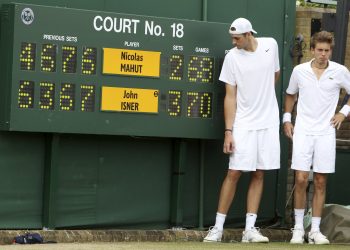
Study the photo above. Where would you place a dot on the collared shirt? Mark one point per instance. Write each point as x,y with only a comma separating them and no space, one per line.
318,98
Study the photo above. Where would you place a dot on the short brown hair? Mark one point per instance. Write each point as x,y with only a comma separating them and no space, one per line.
322,37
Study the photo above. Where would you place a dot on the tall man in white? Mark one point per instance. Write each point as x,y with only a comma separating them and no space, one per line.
252,122
318,83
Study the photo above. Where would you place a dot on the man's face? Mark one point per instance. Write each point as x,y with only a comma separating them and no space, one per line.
322,52
240,41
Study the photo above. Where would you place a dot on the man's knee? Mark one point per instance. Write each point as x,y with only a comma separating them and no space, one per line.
301,179
258,175
233,175
320,181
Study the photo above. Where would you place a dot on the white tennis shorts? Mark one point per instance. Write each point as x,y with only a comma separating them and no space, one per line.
317,151
255,149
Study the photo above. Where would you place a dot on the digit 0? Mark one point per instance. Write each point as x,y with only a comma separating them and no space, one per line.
205,106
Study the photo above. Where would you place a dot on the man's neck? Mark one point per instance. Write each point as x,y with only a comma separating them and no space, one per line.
317,65
252,45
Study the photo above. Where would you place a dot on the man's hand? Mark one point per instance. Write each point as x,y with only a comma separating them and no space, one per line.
337,120
288,129
229,144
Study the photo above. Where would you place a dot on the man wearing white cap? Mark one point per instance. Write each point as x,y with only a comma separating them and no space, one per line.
250,71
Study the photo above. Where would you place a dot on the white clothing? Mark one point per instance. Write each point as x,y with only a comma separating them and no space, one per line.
315,150
256,149
254,75
318,98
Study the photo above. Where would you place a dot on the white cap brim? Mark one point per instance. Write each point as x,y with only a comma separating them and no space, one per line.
236,32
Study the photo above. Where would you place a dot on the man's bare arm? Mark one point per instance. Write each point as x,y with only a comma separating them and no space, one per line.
230,106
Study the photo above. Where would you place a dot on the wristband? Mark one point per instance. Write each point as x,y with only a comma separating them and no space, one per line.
227,129
345,110
287,117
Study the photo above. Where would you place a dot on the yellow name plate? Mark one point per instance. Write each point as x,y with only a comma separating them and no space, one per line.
129,100
131,62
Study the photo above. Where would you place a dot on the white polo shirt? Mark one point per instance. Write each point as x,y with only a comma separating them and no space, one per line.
318,98
254,75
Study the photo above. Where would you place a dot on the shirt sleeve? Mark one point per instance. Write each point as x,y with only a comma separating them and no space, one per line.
227,74
293,87
346,80
277,60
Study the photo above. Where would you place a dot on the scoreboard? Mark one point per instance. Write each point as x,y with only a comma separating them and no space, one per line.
77,71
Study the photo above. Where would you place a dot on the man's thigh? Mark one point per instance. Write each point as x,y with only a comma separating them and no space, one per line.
303,149
268,148
244,157
324,155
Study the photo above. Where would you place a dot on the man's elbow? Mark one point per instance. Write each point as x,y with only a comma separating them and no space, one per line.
277,76
292,97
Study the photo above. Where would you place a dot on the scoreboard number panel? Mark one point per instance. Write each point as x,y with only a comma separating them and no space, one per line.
69,59
67,97
87,98
88,61
27,56
48,57
47,95
26,94
201,69
111,73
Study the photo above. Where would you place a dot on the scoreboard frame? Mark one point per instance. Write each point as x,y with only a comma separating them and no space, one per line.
92,72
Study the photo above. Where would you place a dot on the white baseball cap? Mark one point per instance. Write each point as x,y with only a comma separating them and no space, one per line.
241,26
